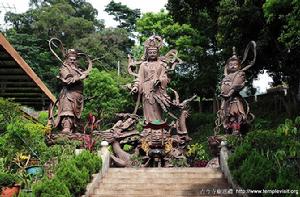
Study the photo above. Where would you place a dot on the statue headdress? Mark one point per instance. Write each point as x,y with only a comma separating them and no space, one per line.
71,53
252,45
234,57
153,42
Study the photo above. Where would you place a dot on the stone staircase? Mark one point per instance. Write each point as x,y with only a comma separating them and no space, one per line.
161,182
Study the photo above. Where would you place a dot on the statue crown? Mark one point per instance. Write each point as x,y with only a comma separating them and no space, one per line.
71,53
234,56
153,42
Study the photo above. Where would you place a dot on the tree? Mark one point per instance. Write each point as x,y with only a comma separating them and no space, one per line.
198,73
269,24
105,95
107,48
124,15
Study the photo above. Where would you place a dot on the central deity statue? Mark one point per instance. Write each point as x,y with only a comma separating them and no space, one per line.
152,81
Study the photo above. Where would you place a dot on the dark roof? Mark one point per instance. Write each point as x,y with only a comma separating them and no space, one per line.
19,82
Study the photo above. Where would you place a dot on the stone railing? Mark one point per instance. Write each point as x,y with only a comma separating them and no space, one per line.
105,156
224,154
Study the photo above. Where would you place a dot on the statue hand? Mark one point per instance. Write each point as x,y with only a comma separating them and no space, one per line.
157,83
83,76
134,90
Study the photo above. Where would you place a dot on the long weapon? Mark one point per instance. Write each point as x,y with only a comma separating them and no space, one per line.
251,44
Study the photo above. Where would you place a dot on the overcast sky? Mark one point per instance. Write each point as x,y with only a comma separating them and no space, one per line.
145,6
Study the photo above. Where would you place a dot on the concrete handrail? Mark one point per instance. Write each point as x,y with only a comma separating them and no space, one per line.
224,154
104,154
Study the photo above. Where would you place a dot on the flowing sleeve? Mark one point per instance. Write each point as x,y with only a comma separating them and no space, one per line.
140,79
163,77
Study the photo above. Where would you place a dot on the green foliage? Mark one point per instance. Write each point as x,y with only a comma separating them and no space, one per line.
8,112
50,188
71,174
255,171
123,14
25,194
197,152
286,179
240,154
127,147
201,122
285,13
288,128
261,123
108,47
234,141
75,179
7,179
268,158
88,161
23,137
108,96
43,117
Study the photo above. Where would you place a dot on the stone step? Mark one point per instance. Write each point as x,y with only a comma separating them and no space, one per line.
162,180
150,195
162,193
162,170
219,184
165,176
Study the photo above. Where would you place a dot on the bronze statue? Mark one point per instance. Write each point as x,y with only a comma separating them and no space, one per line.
234,113
160,142
70,100
152,81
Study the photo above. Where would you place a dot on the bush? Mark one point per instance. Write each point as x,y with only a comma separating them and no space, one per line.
197,152
7,179
268,159
9,111
43,117
24,137
240,154
234,141
108,95
254,172
202,122
50,188
74,178
88,160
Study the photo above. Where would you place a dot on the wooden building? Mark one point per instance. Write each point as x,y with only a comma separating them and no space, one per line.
19,82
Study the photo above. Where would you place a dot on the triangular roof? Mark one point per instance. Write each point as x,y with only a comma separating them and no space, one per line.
19,82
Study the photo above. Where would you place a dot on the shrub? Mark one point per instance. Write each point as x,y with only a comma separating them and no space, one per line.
43,117
7,179
254,172
23,136
50,188
88,160
268,159
264,140
287,179
197,152
9,111
233,141
180,162
240,154
74,178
